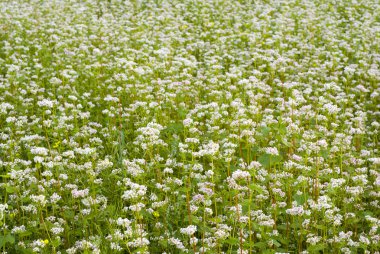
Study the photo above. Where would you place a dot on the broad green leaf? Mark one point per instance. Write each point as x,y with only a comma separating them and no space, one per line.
232,241
255,187
264,160
264,130
276,243
10,239
261,245
317,247
10,189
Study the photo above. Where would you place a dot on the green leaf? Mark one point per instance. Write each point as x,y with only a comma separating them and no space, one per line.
56,242
264,160
183,189
69,214
322,227
182,112
281,128
163,243
22,250
317,247
276,243
301,199
282,240
10,189
7,239
261,245
245,204
264,131
255,187
286,143
232,241
194,219
275,159
26,233
174,128
249,244
325,154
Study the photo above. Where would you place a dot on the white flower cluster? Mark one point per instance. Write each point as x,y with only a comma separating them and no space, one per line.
189,126
190,230
296,211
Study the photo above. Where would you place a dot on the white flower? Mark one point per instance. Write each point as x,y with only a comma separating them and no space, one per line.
46,103
54,198
3,207
39,151
241,175
55,81
271,150
40,199
296,210
187,122
80,193
210,149
190,230
179,245
57,230
4,107
17,230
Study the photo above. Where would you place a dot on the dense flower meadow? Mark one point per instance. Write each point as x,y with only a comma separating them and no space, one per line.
196,126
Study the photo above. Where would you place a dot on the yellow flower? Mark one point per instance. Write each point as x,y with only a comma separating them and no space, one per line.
46,241
57,144
156,214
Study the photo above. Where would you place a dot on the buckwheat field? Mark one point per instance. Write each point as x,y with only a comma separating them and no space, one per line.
189,126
